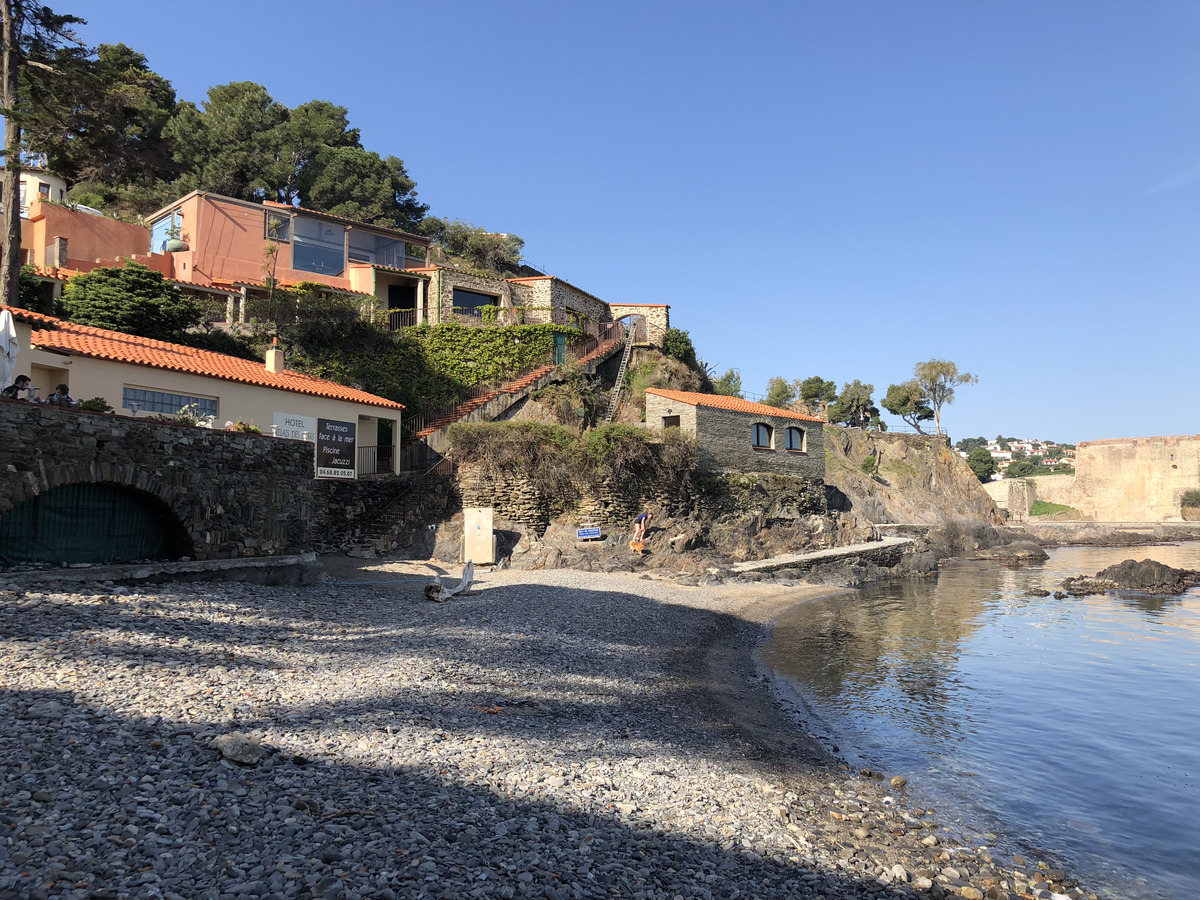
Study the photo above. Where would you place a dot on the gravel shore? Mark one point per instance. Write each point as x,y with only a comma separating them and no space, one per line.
555,734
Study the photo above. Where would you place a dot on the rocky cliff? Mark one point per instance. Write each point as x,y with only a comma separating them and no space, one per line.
891,478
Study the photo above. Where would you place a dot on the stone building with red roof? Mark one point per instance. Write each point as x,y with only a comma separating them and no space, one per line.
736,435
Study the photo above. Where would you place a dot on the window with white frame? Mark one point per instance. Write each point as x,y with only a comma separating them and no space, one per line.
144,400
795,440
760,436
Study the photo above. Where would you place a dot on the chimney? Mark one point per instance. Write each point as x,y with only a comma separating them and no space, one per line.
275,357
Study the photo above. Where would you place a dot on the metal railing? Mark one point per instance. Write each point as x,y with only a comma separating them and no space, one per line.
401,318
374,460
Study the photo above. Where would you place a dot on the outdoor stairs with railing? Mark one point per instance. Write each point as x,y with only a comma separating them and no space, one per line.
409,499
467,407
615,397
516,386
398,510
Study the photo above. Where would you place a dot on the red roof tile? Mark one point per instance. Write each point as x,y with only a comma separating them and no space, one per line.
736,404
98,343
30,317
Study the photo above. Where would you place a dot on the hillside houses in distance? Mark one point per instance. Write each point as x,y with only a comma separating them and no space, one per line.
1048,455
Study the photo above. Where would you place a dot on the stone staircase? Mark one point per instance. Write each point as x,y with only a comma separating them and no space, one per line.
487,406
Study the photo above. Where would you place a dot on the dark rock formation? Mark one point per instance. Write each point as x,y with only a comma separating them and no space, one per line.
1147,576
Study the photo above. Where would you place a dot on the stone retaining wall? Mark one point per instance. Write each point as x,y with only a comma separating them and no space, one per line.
234,495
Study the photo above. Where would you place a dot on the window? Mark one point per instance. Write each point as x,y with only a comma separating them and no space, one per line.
277,227
670,422
168,404
318,246
761,438
795,440
44,191
164,229
366,246
467,300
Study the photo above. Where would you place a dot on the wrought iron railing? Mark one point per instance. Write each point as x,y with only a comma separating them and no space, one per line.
374,460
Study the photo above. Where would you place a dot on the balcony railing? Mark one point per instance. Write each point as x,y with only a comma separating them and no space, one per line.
401,318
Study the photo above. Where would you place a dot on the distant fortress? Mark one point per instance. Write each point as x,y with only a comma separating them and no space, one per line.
1122,479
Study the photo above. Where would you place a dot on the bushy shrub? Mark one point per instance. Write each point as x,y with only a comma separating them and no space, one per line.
1190,499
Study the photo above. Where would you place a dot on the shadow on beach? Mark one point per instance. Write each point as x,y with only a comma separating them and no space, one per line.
136,804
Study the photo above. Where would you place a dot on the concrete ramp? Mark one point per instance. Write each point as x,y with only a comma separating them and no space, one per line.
886,551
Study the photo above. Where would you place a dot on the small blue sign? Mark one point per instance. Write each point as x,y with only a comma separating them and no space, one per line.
587,534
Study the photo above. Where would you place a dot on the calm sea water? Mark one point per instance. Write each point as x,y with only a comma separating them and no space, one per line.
1066,727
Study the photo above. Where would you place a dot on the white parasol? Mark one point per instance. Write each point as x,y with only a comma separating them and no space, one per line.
9,348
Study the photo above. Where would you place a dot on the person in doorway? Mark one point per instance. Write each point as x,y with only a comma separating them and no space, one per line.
61,397
21,384
640,525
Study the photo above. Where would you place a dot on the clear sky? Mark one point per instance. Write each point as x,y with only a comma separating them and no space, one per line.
816,188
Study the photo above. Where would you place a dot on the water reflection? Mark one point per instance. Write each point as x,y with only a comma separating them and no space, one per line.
1064,719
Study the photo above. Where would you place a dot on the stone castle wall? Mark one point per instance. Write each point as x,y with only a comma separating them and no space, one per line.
1123,479
1135,479
235,495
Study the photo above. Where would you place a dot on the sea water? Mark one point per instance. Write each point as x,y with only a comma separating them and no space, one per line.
1066,728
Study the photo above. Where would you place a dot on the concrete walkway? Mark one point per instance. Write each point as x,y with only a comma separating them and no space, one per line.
804,559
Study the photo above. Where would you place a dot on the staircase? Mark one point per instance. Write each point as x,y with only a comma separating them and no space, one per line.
615,397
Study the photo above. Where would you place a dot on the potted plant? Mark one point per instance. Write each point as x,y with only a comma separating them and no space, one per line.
174,242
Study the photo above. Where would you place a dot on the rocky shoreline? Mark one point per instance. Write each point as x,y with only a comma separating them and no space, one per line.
557,734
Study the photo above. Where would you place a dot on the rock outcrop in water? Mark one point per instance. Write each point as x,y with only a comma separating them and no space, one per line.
1147,576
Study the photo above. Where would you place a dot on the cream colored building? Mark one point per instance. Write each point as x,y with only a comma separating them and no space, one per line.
138,377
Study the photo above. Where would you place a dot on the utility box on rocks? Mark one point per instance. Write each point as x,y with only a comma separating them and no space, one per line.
479,542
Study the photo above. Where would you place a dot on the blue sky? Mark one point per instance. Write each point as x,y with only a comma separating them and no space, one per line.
816,188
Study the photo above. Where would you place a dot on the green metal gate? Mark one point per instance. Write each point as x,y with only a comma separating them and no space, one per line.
90,523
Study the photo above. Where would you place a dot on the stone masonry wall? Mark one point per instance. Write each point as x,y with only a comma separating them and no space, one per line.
446,280
658,317
723,439
235,495
1125,479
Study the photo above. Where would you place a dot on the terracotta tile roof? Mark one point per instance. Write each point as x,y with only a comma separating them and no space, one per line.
30,317
418,272
238,285
415,238
736,404
98,343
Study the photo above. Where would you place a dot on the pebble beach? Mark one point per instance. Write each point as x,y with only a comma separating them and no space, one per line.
554,734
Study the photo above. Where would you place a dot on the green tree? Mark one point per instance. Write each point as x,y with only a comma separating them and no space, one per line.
982,463
295,143
31,35
225,144
1020,468
816,390
106,124
471,245
937,379
360,184
729,384
131,298
854,406
1002,443
780,392
907,401
966,445
677,344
